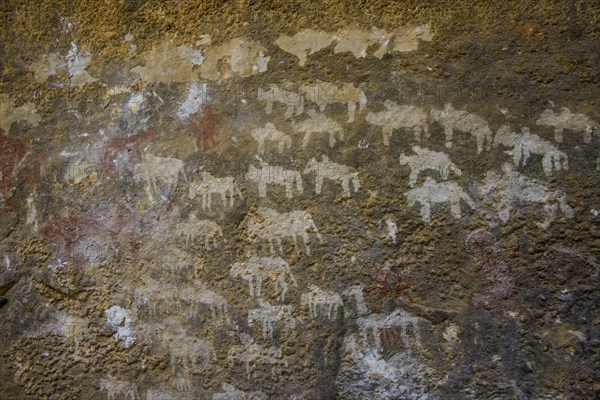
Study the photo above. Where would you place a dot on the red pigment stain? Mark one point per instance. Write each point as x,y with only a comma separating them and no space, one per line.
130,145
391,283
118,226
69,229
204,129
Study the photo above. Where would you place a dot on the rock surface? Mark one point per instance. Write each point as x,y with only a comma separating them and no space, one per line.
299,200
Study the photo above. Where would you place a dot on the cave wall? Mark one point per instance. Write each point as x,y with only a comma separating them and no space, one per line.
290,200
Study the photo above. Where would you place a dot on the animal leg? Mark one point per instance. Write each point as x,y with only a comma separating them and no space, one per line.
351,111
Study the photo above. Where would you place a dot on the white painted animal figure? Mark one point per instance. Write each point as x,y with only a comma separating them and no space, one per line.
432,192
268,315
525,144
356,291
320,302
452,120
511,190
155,394
325,93
293,102
424,160
304,43
210,185
256,270
318,123
156,295
205,228
398,117
253,356
181,383
339,173
379,324
274,175
122,389
192,353
155,171
229,392
268,224
566,120
198,295
269,133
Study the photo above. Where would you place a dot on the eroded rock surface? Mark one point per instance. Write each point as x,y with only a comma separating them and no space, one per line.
299,200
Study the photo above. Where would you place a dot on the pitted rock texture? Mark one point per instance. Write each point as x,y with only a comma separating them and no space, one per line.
299,200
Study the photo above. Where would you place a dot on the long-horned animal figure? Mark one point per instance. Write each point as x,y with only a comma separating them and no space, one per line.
270,225
398,117
318,123
269,133
195,227
425,159
210,185
159,172
325,93
321,301
525,144
452,120
511,189
432,192
256,270
566,120
339,173
275,175
294,102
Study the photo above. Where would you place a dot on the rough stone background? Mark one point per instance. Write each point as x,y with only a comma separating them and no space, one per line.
443,270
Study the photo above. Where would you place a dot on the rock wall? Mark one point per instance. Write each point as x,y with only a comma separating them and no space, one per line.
298,200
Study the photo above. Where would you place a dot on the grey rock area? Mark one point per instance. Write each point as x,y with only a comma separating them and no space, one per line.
298,200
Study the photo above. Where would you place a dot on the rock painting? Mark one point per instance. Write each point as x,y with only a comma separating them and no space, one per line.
160,174
209,185
525,144
256,270
293,101
326,93
432,192
424,160
566,120
274,175
509,190
321,303
269,133
319,123
203,228
452,120
333,171
270,225
398,117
